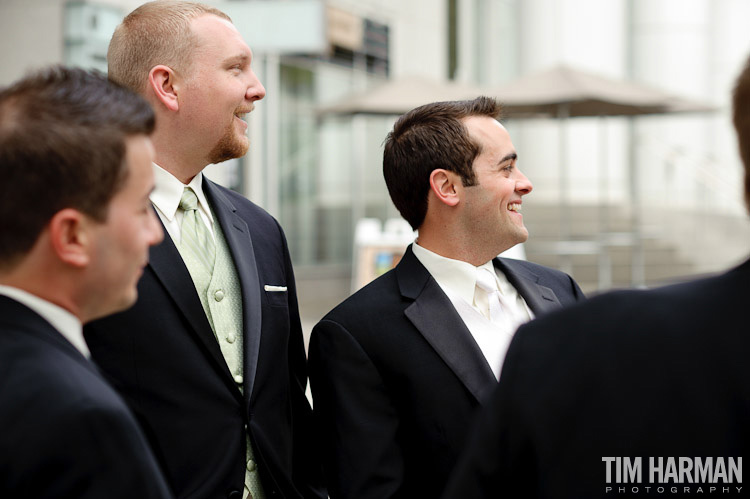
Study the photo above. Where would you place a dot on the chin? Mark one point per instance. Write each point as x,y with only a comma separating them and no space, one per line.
243,145
121,305
126,301
229,149
522,234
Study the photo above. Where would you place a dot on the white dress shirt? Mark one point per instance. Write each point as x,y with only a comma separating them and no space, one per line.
458,281
166,198
66,323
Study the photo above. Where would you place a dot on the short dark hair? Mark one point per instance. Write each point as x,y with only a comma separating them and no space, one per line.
741,106
424,139
62,145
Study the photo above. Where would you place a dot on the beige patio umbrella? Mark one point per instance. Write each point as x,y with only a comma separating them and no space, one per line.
567,92
561,89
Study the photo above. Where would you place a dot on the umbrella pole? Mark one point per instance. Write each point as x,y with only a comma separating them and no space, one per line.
566,263
604,273
638,257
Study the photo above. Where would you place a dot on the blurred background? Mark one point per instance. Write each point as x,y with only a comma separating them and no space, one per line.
619,110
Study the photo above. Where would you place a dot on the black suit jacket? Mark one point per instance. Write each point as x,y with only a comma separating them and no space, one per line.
164,359
661,373
64,432
397,376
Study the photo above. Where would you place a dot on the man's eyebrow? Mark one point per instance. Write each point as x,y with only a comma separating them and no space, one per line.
511,156
237,58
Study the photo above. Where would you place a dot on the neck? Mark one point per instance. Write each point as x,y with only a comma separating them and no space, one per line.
44,283
179,160
446,233
455,246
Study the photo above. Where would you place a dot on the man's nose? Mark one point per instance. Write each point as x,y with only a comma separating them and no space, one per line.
256,90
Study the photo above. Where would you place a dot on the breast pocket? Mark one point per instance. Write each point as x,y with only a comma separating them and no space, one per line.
277,296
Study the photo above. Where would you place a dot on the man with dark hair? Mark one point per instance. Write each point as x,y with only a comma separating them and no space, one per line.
632,393
400,367
76,225
211,358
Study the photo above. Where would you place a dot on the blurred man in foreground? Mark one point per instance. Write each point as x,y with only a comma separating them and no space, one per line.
75,160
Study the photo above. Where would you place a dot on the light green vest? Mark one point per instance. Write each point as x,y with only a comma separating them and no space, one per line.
221,297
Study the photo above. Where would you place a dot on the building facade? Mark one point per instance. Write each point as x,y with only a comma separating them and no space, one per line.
672,181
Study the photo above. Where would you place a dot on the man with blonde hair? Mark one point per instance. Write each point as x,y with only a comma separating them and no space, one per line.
211,357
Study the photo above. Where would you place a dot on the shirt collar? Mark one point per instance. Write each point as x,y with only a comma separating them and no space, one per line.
66,323
456,276
168,191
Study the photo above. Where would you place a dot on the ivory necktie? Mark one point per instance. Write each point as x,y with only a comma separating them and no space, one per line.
195,236
488,293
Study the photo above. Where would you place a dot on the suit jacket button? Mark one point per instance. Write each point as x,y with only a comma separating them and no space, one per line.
234,494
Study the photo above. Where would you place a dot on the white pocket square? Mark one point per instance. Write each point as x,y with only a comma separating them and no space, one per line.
274,288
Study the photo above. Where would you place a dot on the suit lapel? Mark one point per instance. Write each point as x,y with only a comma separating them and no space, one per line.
166,262
434,316
240,244
540,299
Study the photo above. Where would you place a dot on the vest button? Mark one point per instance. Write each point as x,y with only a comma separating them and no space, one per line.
251,465
219,295
238,379
231,337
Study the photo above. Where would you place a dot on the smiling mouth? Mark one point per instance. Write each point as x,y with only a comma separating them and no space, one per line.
241,113
241,119
516,207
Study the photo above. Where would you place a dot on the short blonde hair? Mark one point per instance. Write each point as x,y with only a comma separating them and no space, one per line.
155,33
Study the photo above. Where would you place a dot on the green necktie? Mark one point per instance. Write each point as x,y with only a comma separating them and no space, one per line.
195,237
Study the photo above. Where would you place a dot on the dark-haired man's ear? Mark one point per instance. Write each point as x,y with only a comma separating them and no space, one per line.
70,237
446,186
162,82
